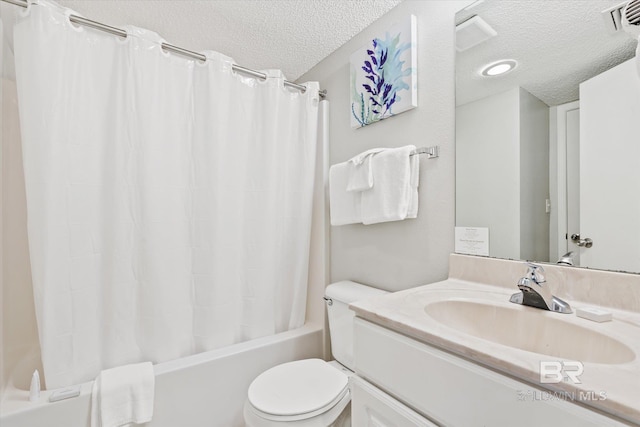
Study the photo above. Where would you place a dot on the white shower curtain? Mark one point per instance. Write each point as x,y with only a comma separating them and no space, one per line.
169,201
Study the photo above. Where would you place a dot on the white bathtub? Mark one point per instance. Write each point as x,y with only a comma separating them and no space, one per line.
203,390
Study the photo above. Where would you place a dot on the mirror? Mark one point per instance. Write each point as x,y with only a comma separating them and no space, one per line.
549,150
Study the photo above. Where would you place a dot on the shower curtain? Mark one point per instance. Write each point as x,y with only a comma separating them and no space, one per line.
169,200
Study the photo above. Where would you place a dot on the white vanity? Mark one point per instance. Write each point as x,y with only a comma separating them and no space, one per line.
458,353
546,165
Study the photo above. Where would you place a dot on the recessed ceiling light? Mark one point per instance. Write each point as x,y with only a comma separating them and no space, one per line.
498,68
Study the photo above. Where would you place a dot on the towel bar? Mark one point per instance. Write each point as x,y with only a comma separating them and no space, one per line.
431,152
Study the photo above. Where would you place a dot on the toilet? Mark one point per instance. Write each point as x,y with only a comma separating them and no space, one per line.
312,392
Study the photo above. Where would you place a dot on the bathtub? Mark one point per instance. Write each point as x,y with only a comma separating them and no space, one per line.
203,390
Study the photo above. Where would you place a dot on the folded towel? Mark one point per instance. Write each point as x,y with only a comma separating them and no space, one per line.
360,158
344,205
414,165
391,196
122,396
360,172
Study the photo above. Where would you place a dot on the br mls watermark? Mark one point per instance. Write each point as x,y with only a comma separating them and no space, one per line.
531,395
555,372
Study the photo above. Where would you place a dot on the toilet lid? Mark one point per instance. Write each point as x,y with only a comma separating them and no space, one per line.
297,387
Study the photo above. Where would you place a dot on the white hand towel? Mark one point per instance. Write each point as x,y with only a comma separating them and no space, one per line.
344,205
414,165
360,158
123,396
390,197
360,173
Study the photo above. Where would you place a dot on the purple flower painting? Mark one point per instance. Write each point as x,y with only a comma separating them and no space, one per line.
383,76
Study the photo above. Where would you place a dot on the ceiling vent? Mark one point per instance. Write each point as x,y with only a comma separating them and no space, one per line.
472,32
631,13
613,17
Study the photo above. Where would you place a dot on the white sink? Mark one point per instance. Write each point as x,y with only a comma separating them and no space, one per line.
530,329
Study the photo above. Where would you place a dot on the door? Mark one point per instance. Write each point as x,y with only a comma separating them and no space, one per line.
573,182
564,178
610,169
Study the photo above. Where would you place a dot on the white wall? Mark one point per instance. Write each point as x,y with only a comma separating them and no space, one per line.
534,178
488,170
399,255
502,172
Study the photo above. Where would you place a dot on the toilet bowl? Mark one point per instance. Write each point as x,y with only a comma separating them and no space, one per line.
304,393
312,392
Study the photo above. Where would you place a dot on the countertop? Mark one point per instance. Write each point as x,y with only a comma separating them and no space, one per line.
613,388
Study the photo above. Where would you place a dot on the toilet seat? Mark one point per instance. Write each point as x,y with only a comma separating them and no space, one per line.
298,390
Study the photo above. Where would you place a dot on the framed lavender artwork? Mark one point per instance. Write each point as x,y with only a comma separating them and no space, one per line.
384,75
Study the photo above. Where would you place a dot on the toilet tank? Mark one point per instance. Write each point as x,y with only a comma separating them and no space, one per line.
339,295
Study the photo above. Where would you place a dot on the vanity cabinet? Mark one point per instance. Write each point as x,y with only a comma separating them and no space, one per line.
371,407
449,390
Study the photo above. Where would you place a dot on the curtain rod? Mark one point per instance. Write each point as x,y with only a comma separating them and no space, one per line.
166,46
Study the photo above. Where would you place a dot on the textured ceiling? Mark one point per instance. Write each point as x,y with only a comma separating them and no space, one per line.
557,43
292,35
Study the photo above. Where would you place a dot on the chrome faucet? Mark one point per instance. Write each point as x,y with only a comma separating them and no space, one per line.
534,292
